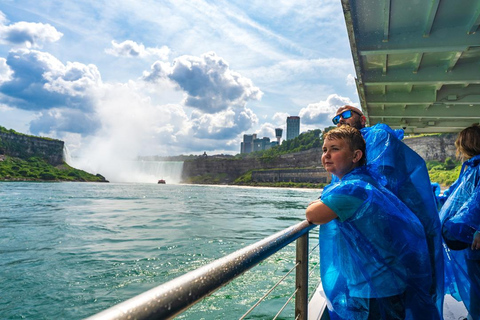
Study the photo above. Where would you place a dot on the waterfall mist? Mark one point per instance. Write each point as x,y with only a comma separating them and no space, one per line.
118,170
139,171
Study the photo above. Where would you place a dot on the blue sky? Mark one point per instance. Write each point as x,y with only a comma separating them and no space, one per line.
127,78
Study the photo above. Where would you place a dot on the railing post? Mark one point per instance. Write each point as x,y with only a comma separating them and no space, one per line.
301,279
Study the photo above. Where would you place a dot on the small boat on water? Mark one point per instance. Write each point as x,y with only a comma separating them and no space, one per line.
161,181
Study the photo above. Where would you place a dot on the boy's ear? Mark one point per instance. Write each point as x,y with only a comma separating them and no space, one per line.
357,155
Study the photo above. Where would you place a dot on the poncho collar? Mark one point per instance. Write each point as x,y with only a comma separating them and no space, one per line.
471,163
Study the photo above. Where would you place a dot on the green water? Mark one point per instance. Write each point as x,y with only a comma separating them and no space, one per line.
70,250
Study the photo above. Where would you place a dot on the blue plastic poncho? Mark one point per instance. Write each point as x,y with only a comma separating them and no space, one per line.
460,216
376,249
405,173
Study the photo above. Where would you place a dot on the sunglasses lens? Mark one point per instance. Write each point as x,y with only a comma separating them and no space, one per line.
347,114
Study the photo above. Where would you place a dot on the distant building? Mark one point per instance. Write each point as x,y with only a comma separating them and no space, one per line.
261,144
293,127
247,145
278,135
251,143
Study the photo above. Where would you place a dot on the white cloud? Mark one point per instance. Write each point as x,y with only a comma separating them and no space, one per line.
158,71
280,119
267,130
226,124
27,34
3,19
74,79
210,84
322,112
129,48
5,71
351,80
56,121
40,82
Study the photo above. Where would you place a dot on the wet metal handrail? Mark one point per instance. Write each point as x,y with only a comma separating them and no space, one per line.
177,295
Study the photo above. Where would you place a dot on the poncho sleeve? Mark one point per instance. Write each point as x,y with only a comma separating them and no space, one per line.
344,205
463,224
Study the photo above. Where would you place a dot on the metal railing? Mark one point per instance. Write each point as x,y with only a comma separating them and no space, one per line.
173,297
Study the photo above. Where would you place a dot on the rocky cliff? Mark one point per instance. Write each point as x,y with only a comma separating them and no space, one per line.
23,146
438,147
226,170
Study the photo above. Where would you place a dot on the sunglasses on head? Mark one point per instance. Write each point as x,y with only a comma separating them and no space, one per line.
345,115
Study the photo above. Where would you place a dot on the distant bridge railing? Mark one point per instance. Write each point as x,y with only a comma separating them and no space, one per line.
173,297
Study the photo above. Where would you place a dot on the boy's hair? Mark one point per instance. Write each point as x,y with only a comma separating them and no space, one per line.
352,136
468,142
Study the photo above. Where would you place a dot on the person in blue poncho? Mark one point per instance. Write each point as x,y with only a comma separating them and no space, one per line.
373,249
460,216
403,172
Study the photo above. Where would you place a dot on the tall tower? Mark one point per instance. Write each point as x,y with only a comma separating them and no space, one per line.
247,145
278,134
293,127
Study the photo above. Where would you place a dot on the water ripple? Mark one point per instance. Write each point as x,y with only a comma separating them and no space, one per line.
70,250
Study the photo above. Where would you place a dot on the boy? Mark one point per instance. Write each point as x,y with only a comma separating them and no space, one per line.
374,257
405,174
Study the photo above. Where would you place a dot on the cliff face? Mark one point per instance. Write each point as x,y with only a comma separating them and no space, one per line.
232,168
434,147
22,146
429,148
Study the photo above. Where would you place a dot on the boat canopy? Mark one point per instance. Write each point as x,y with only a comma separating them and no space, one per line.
417,62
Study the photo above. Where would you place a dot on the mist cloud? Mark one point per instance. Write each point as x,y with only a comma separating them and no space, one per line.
56,121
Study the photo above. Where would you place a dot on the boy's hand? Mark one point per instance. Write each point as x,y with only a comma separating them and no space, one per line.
476,241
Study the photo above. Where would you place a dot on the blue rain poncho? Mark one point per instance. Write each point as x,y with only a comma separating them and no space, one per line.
406,175
404,172
376,248
460,216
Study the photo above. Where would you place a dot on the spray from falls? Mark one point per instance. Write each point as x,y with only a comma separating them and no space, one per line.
140,171
152,171
66,155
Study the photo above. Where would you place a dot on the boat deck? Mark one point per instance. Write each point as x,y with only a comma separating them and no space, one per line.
452,309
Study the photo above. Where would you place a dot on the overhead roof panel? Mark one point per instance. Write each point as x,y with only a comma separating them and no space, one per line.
417,62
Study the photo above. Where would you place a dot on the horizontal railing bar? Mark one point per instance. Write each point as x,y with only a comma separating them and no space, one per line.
177,295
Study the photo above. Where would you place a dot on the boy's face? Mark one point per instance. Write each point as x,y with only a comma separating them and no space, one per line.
338,158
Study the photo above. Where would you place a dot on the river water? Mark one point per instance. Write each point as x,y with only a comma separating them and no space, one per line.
70,250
